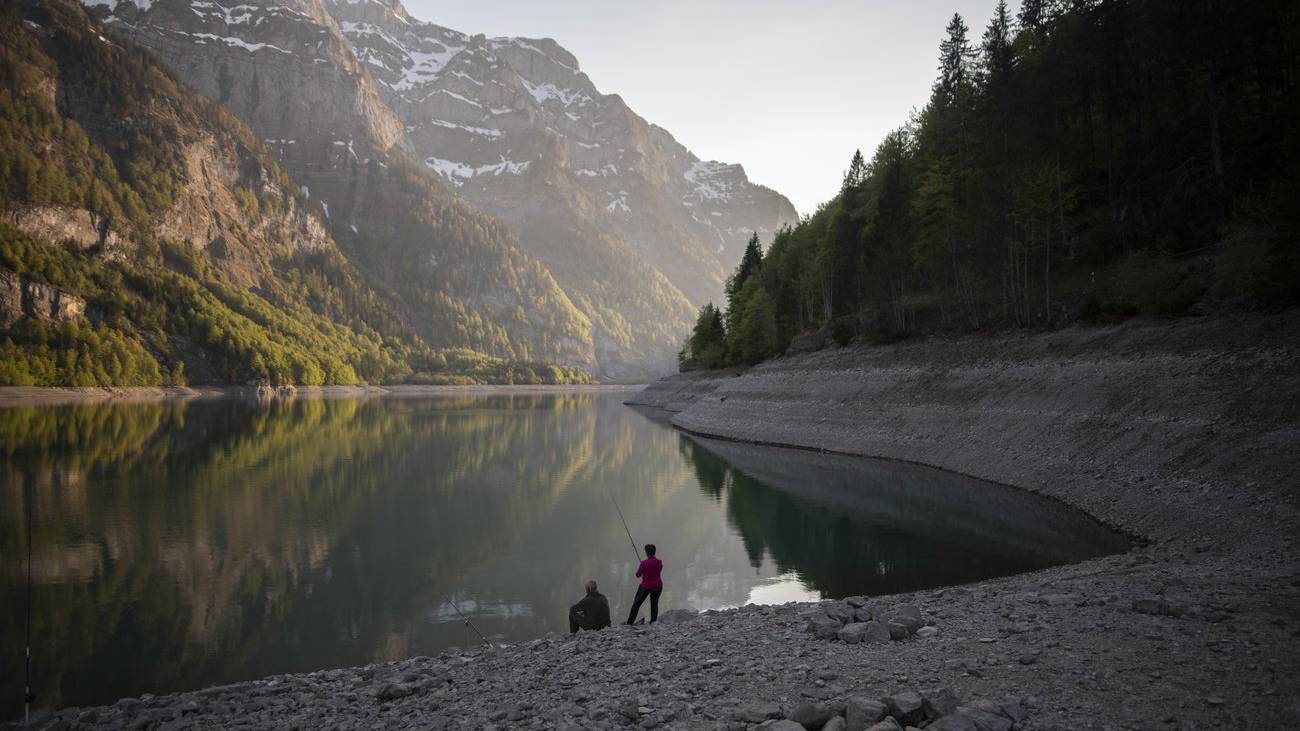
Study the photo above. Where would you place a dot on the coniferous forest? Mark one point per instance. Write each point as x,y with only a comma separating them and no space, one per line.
1077,161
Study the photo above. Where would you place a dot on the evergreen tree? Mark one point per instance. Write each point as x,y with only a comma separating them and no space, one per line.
845,252
998,58
856,174
955,56
1032,15
750,263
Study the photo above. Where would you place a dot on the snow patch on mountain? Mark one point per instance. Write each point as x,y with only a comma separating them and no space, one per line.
457,173
712,180
546,92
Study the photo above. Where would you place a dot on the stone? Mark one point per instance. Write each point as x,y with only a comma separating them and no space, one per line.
824,627
839,611
852,634
939,703
906,707
864,614
927,632
898,631
876,633
781,725
757,712
954,722
859,712
677,616
908,616
811,715
393,691
836,723
888,724
857,602
908,610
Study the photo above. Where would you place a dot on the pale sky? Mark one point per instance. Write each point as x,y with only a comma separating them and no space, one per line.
787,89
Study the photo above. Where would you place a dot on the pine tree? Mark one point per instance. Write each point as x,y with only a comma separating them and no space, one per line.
857,172
998,61
954,62
750,263
1032,15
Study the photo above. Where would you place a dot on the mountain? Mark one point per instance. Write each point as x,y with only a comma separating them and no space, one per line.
147,236
634,228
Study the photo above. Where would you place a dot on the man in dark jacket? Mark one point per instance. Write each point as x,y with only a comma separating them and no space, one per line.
592,612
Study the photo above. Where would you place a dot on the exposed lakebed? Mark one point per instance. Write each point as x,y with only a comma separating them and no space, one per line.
178,545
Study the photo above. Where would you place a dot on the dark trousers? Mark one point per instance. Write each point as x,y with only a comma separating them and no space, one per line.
641,594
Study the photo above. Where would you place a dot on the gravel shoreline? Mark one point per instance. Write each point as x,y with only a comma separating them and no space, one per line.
1184,434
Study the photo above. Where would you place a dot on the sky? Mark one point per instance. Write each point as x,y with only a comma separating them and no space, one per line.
787,89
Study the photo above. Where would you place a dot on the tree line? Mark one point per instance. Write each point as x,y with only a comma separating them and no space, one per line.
1082,160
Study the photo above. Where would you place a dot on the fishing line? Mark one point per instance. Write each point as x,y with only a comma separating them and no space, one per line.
469,623
630,540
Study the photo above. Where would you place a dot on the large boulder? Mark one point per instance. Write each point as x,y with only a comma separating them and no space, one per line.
811,715
939,703
908,616
852,634
876,633
758,712
823,627
907,707
677,616
860,713
839,610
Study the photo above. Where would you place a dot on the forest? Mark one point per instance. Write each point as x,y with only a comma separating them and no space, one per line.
1078,161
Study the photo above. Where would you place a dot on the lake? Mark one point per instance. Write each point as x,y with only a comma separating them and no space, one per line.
181,544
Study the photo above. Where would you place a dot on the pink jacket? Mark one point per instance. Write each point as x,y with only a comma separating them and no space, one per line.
649,571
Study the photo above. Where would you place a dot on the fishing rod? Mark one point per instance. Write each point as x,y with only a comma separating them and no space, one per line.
613,499
469,623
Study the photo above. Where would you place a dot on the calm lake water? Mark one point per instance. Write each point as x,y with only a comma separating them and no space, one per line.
178,545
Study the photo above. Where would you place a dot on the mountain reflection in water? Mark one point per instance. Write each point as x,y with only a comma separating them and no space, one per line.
178,545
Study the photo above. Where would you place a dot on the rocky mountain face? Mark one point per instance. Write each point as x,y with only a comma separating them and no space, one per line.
485,113
147,236
632,227
621,212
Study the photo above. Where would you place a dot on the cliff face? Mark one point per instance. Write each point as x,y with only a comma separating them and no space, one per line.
21,298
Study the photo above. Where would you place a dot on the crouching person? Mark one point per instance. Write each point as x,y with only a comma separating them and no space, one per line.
592,612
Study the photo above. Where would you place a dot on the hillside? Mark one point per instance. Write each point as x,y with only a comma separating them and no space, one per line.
148,237
1081,162
633,228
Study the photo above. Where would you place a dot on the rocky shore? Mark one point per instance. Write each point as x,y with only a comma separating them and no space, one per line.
1184,435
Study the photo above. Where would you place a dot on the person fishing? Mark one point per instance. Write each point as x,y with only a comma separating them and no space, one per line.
591,612
651,585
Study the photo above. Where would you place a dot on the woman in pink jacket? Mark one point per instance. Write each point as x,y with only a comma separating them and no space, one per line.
651,585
